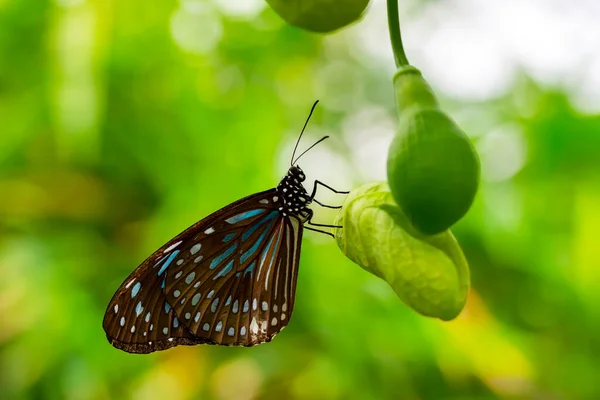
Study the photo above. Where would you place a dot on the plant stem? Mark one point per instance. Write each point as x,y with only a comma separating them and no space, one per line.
395,35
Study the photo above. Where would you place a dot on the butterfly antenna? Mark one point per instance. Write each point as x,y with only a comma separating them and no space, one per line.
299,137
305,151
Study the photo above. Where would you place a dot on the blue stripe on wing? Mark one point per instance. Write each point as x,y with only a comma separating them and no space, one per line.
245,215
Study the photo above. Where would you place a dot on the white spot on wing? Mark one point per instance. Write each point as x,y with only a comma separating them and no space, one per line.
206,327
254,326
122,322
274,321
265,306
263,201
198,259
190,278
116,308
129,284
219,326
195,248
168,249
209,230
196,299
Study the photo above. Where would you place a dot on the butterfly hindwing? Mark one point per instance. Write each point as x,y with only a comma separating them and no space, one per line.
239,291
139,319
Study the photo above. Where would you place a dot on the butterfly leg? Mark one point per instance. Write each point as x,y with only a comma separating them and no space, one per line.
325,205
314,191
309,215
320,231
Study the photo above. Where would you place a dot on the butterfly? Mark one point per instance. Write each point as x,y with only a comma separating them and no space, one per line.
230,279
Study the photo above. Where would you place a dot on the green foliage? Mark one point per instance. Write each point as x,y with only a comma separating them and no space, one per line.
120,126
429,273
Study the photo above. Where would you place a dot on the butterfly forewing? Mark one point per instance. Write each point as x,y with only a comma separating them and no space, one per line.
139,318
241,294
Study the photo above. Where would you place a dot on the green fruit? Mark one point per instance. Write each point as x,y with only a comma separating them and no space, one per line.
412,90
433,170
319,15
428,273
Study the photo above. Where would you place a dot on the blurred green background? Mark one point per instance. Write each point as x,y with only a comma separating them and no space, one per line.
123,122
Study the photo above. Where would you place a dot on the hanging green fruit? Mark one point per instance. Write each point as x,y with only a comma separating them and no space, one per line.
321,16
432,167
428,273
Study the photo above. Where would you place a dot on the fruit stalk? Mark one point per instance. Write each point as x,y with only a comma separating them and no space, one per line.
395,34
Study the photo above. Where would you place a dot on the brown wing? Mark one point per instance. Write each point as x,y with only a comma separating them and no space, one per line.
240,293
139,319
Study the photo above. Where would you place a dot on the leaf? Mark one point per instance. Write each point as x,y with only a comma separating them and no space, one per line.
429,273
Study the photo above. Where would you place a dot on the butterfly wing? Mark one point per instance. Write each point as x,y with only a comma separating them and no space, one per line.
242,291
139,319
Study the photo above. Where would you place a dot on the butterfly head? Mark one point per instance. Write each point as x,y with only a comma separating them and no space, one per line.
295,172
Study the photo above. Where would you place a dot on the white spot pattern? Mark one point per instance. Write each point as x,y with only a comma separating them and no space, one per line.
168,249
196,299
190,278
195,248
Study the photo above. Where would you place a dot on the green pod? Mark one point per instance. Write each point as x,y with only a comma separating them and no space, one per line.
432,167
428,273
320,16
411,90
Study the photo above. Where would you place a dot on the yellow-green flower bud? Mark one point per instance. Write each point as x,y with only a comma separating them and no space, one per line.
428,273
321,16
432,167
